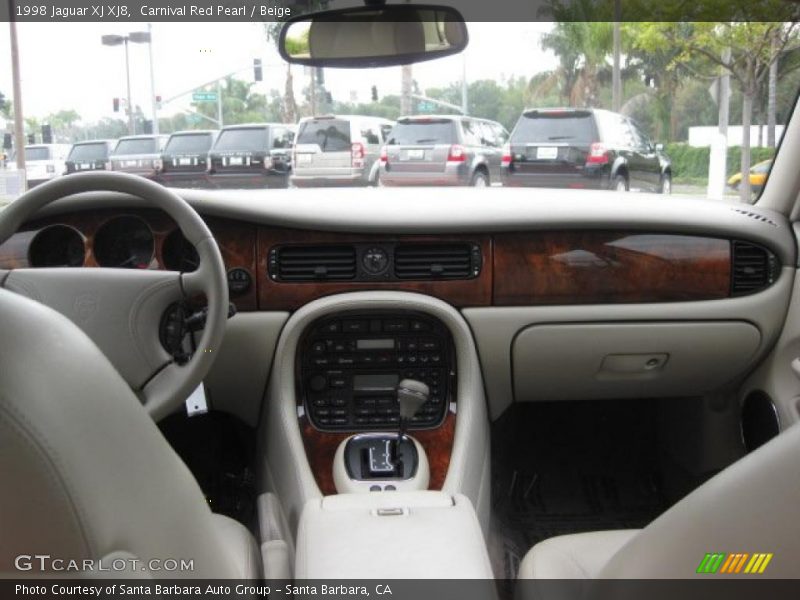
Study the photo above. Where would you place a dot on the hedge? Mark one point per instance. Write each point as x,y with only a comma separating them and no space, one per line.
689,162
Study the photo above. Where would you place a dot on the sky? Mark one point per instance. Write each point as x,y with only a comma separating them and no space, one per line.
64,65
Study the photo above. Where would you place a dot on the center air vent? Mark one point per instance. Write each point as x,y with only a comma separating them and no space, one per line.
312,263
437,261
754,268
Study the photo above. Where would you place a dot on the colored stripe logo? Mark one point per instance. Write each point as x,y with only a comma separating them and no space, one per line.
734,563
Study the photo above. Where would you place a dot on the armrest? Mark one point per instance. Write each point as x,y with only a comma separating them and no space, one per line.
391,535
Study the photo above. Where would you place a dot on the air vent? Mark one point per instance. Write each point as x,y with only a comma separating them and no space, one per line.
313,263
437,261
754,268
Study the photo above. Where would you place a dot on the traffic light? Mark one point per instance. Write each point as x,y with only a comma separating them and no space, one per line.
47,134
116,104
374,93
7,144
31,138
328,98
2,101
258,75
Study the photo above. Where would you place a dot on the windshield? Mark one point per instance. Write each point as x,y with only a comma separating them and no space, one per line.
188,144
242,140
433,131
97,151
679,107
136,146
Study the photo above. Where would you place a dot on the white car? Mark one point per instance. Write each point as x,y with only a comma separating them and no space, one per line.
44,162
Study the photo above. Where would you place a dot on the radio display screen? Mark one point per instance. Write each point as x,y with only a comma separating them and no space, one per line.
376,382
375,344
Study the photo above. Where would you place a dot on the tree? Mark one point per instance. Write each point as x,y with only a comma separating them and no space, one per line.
582,49
754,47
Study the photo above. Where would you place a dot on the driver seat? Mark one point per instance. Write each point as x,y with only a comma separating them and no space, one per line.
87,475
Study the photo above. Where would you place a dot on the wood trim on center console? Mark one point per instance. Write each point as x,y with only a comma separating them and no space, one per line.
275,295
321,448
591,267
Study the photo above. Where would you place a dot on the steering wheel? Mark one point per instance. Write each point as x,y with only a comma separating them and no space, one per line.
121,309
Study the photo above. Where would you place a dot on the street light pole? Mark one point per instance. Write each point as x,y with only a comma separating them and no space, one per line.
131,125
152,80
19,134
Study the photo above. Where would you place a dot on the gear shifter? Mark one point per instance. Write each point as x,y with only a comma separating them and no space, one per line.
411,395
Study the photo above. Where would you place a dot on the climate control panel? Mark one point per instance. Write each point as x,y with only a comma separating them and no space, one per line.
349,367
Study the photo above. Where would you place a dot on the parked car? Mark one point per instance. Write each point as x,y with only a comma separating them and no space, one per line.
338,150
184,161
583,148
253,155
139,155
758,176
44,162
443,150
90,155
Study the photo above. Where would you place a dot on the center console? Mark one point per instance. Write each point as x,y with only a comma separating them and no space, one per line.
349,367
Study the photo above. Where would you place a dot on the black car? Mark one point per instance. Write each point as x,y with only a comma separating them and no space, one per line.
583,148
255,156
184,159
91,155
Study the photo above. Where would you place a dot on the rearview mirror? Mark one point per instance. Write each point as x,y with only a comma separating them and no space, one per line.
373,36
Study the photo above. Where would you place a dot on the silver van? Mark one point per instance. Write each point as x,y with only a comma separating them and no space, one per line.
338,150
443,150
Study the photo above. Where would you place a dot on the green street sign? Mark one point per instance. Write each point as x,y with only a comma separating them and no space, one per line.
204,96
426,107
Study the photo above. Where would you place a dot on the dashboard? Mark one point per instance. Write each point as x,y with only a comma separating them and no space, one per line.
281,268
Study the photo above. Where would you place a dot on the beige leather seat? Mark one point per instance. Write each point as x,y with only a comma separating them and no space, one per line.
751,507
85,472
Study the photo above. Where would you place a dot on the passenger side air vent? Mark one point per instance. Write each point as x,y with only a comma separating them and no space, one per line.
754,268
437,261
312,263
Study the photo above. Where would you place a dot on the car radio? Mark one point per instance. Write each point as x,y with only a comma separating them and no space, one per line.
349,367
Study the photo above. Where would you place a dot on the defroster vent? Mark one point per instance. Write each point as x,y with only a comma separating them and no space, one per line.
754,268
437,261
313,263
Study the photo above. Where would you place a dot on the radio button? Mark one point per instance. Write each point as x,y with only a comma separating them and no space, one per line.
332,327
317,383
356,326
324,421
318,347
339,421
419,326
322,412
340,412
339,402
319,361
338,382
395,325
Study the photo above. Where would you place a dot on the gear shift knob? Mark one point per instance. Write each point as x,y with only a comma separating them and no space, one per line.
411,394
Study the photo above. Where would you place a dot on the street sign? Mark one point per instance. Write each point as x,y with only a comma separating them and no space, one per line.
193,119
426,107
204,96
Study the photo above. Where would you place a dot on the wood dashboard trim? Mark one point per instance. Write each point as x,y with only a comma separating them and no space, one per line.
592,267
274,295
